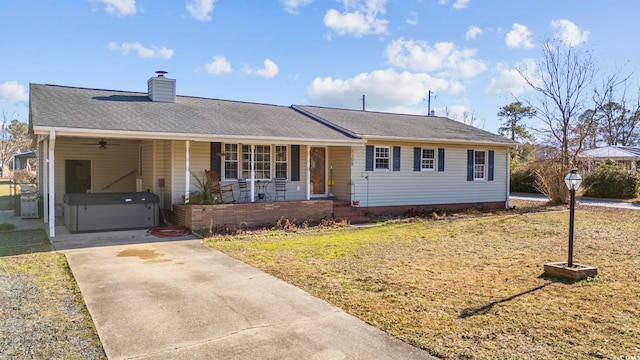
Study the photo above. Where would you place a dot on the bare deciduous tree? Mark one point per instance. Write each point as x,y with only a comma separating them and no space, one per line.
563,76
618,118
13,139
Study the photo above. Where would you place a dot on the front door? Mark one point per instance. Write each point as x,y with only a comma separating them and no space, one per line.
77,176
318,181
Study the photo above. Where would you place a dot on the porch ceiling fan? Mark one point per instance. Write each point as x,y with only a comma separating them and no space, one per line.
102,144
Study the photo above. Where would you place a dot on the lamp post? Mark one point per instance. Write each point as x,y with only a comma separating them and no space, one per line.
573,181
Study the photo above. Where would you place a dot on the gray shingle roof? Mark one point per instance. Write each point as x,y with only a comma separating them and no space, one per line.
53,106
371,124
612,152
109,110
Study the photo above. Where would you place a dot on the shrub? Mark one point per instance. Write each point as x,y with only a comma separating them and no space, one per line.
523,179
550,181
610,180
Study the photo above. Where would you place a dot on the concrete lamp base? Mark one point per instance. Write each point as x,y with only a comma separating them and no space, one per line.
577,272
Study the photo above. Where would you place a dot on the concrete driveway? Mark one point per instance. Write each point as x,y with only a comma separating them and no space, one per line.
154,299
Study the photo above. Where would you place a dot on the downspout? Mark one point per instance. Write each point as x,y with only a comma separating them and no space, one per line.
308,172
44,179
506,202
186,173
52,184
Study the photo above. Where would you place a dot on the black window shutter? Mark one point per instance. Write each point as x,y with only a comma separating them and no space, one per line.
417,155
440,159
369,159
491,166
295,163
215,158
396,158
469,165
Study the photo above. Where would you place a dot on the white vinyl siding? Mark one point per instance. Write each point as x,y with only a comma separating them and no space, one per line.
113,169
408,187
340,168
199,161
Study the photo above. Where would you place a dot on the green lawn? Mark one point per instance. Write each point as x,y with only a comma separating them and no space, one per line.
6,200
472,287
23,242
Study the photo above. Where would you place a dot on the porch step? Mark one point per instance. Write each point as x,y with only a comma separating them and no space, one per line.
342,210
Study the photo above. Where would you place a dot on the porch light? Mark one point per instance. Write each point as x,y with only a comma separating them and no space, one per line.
573,180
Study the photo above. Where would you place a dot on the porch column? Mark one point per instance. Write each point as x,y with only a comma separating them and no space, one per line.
252,165
44,179
52,184
634,164
186,173
308,172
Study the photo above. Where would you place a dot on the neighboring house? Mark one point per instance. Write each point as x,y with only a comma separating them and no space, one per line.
95,141
21,160
627,156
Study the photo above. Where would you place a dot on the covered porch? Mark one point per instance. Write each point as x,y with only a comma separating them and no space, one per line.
169,169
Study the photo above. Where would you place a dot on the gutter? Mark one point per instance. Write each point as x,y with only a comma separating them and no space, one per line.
136,135
440,141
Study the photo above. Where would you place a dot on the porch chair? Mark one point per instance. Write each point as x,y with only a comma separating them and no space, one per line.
281,188
244,190
216,187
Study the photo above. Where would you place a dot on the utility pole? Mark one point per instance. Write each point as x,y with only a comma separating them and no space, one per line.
363,102
429,103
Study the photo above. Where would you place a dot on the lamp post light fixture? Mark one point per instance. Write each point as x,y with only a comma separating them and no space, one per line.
573,181
569,269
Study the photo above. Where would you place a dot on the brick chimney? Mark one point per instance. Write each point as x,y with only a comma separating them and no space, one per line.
162,89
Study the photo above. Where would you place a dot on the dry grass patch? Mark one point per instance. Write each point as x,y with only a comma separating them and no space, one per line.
472,287
42,315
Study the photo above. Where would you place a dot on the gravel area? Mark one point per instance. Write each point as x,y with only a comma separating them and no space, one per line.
42,314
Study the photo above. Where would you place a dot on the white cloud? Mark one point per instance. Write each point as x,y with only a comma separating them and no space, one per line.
269,70
120,8
458,4
519,37
472,33
12,92
359,18
412,18
509,81
443,57
292,6
569,32
385,90
143,52
200,9
218,66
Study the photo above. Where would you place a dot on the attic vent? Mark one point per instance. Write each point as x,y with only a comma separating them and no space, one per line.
161,88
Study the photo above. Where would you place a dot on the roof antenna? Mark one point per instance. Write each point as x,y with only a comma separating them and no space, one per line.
363,102
429,113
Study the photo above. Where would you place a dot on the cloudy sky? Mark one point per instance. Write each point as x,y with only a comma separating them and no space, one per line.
308,52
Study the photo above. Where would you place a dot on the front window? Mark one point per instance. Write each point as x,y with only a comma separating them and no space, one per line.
230,161
382,157
262,161
428,159
237,161
479,162
281,161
